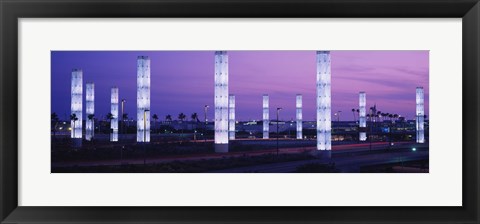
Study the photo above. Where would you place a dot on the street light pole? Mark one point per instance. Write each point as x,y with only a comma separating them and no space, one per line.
417,120
145,125
123,130
372,124
278,110
145,137
123,120
205,129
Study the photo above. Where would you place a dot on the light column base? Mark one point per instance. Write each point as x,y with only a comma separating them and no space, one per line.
322,154
77,143
221,148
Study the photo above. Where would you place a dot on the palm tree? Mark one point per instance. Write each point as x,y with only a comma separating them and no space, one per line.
182,117
74,118
54,119
353,112
168,118
155,118
109,116
194,117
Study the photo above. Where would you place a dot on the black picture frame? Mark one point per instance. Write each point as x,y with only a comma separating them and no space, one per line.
12,10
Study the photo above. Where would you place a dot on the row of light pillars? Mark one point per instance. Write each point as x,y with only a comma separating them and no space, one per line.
76,107
266,116
419,121
323,104
323,108
222,103
143,105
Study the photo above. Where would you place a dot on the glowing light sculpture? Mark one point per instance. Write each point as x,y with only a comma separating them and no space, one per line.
114,111
362,120
90,110
143,99
231,117
299,116
221,101
76,104
324,126
420,115
266,117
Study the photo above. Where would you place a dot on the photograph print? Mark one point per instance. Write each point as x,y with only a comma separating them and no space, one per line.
240,111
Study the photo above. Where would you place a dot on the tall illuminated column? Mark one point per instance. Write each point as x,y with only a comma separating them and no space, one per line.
362,120
114,111
299,116
324,126
420,115
76,103
231,117
221,101
90,110
266,115
143,99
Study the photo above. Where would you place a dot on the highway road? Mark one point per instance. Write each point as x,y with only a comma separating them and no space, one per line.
346,157
351,148
346,163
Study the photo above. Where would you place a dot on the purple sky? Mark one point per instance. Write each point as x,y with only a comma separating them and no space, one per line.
182,81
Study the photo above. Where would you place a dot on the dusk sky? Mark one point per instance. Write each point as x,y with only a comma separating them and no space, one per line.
183,81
